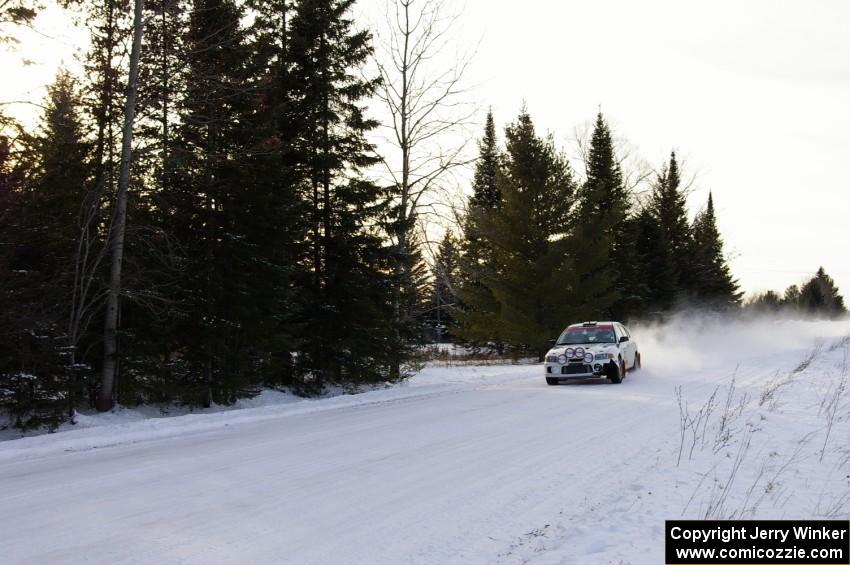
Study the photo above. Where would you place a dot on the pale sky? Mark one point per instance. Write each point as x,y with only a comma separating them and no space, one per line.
754,96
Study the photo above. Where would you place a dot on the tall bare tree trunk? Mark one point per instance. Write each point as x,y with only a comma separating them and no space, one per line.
110,333
165,93
422,99
403,136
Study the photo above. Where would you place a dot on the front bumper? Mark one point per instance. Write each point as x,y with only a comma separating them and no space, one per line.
597,369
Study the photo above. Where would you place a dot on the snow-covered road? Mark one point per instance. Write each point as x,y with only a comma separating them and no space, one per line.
491,465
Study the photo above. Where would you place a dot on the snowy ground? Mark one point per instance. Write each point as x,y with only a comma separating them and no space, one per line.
459,465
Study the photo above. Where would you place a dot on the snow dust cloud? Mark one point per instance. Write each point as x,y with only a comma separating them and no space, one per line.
691,340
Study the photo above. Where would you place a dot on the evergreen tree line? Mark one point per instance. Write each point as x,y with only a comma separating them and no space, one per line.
256,249
541,247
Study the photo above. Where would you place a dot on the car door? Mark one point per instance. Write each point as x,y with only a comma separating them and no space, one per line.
628,348
632,347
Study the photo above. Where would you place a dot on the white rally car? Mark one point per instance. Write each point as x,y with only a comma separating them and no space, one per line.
592,349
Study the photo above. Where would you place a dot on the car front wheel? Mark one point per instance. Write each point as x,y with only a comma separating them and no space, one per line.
614,373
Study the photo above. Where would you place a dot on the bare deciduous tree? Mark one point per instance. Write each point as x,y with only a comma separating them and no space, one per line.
86,292
424,97
110,334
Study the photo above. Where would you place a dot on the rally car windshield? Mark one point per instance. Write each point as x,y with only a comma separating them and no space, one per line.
583,336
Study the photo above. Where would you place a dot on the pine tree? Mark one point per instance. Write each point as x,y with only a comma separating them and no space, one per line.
444,289
207,213
50,181
9,186
532,277
715,287
109,25
410,318
671,209
601,242
791,298
63,188
58,187
485,191
348,328
656,280
408,288
765,303
274,176
59,183
28,362
604,197
819,296
476,302
161,78
669,275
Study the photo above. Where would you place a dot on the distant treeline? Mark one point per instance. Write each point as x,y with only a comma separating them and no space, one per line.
817,297
258,251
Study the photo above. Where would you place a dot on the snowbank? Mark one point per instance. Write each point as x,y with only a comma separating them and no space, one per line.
133,425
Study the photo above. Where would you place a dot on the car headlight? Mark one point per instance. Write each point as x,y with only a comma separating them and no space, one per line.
579,352
604,356
562,359
568,352
551,358
588,357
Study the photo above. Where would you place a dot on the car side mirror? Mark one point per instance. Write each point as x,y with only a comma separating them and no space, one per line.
624,338
553,341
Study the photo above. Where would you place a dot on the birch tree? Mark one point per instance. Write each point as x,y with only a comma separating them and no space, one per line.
110,334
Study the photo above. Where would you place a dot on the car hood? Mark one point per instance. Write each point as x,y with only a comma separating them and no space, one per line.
593,348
